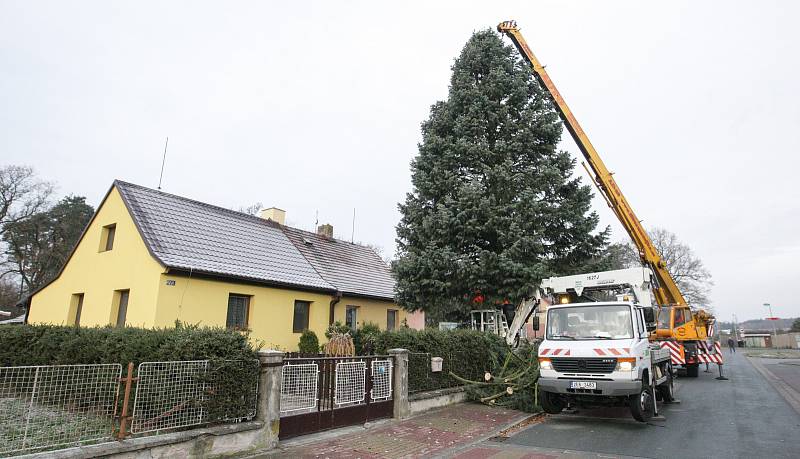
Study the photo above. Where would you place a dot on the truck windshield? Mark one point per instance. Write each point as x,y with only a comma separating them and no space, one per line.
590,322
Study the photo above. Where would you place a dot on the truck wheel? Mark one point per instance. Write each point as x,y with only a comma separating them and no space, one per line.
551,403
667,388
641,404
692,370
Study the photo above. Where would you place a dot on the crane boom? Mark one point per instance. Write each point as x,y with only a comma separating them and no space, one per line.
666,292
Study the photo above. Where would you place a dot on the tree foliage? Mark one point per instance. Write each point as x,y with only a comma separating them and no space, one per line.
494,206
36,247
796,325
511,382
685,267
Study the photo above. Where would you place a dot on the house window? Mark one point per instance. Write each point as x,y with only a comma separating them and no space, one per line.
391,319
351,317
301,312
238,312
122,306
107,239
75,308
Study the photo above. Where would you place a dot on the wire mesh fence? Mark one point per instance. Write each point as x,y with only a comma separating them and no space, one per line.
299,387
422,379
381,379
172,395
46,407
350,382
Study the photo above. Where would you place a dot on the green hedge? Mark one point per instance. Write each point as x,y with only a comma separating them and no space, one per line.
466,353
440,341
231,377
65,345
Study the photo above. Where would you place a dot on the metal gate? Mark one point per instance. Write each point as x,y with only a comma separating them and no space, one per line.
321,393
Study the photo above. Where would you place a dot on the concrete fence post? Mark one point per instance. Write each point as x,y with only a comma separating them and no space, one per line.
400,384
269,395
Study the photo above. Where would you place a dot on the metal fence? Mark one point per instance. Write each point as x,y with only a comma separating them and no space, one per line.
45,407
299,387
173,395
422,379
59,406
319,393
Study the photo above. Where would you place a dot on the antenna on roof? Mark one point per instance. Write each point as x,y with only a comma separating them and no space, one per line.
163,160
353,233
316,221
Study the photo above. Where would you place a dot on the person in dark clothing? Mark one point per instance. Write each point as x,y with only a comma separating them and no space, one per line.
732,344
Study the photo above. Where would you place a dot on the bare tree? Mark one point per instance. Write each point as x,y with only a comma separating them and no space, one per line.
9,295
688,271
22,195
252,209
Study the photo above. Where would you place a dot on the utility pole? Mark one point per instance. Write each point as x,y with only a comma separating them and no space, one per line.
772,319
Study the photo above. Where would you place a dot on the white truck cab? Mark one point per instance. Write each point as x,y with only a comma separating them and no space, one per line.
598,353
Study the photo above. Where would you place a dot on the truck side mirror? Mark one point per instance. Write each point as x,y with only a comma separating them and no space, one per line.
649,319
535,323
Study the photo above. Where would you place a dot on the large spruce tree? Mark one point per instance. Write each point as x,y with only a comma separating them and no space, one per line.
494,206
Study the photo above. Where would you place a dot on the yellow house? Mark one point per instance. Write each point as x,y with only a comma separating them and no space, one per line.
148,258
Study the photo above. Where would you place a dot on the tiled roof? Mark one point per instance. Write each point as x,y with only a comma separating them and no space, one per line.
184,234
190,235
354,269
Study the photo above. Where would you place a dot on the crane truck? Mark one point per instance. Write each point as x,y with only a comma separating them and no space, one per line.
623,346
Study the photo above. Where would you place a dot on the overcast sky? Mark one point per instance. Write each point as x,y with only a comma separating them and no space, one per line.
316,106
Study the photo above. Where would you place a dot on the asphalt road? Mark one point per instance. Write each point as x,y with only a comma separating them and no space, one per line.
788,370
744,417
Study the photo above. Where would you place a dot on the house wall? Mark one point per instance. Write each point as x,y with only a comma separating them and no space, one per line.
205,302
369,311
98,274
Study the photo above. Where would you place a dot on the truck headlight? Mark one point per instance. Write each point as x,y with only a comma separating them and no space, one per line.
545,364
626,364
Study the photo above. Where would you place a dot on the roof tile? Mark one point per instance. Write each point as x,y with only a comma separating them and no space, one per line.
186,234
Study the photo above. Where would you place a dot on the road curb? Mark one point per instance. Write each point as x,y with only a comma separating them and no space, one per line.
454,451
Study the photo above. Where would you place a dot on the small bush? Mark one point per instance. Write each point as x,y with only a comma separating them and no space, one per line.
340,345
337,328
309,343
364,338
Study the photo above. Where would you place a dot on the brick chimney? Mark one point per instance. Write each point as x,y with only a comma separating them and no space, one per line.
325,230
274,214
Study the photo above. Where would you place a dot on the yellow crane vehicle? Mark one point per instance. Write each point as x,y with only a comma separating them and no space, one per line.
686,332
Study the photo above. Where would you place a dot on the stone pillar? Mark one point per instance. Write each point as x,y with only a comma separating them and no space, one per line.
269,396
400,383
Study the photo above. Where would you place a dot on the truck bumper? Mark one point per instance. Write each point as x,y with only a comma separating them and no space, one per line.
604,388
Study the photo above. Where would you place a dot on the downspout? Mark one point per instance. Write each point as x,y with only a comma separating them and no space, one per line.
334,299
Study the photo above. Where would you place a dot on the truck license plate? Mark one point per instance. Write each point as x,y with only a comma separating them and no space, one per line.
583,385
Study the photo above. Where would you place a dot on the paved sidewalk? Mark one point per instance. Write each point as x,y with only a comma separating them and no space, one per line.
436,433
